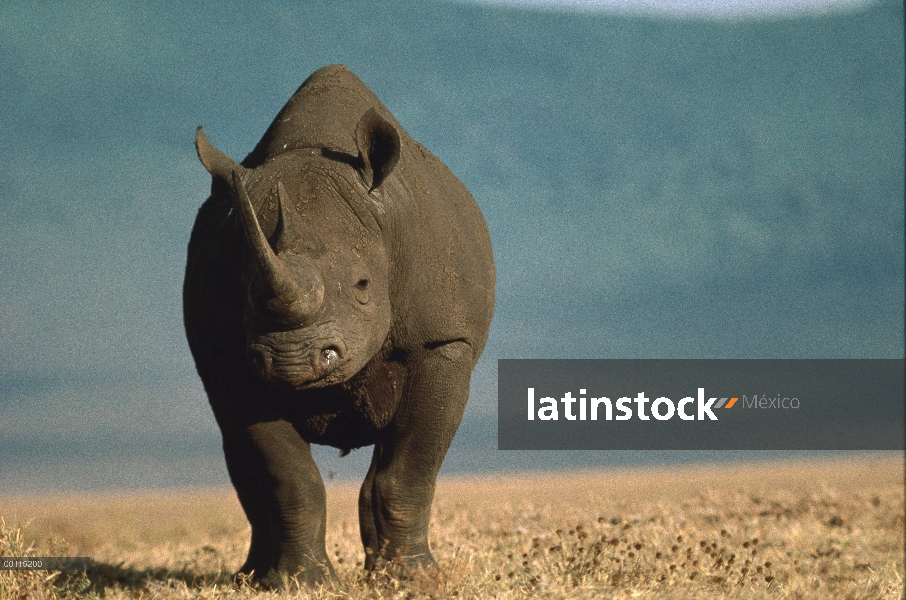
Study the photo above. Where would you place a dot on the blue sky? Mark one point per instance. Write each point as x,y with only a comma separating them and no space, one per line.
654,187
693,9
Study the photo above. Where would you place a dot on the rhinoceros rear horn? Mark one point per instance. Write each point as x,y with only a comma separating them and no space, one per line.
218,164
379,148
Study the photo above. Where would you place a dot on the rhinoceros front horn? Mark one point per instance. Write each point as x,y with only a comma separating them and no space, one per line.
291,299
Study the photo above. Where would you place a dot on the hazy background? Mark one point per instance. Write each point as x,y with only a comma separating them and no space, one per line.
659,181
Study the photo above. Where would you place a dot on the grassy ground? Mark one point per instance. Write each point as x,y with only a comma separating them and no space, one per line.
778,530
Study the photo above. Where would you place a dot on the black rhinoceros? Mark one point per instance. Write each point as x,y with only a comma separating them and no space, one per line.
338,291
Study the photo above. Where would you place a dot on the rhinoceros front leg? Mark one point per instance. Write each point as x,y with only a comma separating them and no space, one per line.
400,484
282,493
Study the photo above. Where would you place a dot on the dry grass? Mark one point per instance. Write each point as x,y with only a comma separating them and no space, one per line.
781,530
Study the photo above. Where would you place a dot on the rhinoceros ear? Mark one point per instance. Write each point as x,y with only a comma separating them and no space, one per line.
379,148
218,164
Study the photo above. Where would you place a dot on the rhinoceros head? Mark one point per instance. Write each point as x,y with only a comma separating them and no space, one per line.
315,269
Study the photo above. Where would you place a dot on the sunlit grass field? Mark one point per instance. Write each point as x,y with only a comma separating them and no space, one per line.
815,529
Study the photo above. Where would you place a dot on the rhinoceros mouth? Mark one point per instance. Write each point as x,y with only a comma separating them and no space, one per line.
315,363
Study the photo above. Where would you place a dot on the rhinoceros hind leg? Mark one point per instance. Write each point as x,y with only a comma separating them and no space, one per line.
367,528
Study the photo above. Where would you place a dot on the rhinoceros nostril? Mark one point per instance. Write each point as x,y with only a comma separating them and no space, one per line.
330,358
260,362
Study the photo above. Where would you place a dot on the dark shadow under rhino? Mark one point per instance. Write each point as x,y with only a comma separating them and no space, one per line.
339,290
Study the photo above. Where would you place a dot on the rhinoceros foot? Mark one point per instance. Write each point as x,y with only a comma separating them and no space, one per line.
286,576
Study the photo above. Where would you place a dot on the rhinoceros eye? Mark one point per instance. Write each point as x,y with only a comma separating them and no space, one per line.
361,291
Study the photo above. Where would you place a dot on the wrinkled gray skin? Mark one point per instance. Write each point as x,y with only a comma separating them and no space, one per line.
339,290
